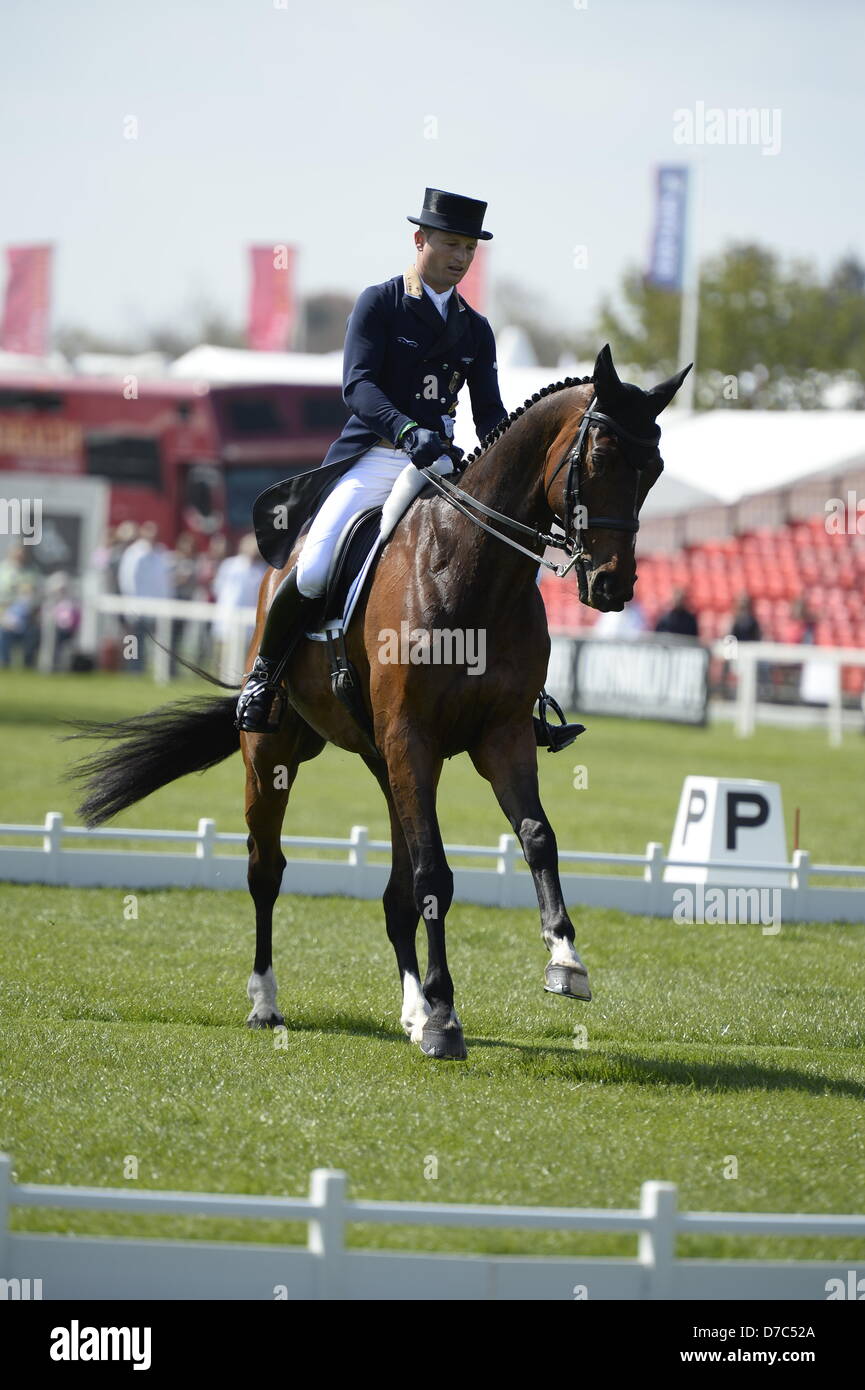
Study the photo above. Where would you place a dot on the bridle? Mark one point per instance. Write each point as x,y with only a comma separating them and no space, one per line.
576,518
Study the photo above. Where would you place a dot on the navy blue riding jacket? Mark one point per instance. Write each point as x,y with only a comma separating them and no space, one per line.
403,362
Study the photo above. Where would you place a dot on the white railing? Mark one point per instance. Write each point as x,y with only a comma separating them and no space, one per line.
237,622
746,655
93,1268
507,884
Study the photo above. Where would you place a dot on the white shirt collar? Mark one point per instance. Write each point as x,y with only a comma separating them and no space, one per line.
439,299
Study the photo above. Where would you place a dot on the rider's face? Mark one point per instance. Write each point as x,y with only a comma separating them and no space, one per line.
443,257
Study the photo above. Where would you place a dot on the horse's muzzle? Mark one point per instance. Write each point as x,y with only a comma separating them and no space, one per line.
605,593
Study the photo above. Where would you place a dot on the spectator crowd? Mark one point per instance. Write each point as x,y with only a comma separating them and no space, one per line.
41,614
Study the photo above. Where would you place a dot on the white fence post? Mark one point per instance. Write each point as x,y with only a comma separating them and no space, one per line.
799,880
835,711
746,703
52,843
657,1248
232,665
161,658
506,868
5,1185
358,849
654,873
358,846
327,1229
204,848
801,868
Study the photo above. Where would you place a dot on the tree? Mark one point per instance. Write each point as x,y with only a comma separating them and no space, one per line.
780,333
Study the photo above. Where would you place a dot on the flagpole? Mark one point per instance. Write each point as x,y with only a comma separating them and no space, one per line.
690,311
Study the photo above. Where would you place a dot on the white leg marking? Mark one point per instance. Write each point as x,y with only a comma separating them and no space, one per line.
415,1009
563,953
262,991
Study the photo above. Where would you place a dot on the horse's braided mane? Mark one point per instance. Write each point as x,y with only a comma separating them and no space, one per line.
521,410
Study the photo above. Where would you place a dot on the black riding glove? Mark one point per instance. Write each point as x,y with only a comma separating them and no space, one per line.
423,446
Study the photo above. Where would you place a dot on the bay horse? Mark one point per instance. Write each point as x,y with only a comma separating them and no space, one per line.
582,454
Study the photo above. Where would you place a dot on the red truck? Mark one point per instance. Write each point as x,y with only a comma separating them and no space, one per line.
188,457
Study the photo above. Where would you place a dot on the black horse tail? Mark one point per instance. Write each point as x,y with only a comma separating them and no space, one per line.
155,748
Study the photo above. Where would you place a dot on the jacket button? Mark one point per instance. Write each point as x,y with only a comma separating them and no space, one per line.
442,399
444,366
417,395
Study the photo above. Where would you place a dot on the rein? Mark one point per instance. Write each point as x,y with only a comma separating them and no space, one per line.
572,525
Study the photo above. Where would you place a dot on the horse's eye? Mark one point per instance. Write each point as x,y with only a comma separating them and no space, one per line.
601,454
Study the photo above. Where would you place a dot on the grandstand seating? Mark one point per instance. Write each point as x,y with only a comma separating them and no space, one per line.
775,567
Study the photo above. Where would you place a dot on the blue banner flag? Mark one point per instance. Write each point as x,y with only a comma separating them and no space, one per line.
667,261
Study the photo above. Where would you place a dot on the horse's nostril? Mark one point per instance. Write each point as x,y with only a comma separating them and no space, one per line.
604,584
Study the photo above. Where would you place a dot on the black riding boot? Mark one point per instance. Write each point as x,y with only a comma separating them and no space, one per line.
263,699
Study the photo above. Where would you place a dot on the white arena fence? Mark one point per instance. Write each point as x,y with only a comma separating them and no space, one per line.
825,661
59,860
80,1267
235,624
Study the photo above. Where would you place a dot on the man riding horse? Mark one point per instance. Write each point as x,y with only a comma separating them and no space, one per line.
412,342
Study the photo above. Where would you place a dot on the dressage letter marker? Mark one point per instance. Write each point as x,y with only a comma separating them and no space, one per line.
726,819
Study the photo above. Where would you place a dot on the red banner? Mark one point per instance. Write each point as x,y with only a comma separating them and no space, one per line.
473,285
272,301
27,307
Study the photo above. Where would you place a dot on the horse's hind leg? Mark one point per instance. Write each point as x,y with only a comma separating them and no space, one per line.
507,757
271,762
401,917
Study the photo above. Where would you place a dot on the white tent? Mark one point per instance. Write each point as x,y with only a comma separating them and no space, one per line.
240,366
734,453
149,365
26,364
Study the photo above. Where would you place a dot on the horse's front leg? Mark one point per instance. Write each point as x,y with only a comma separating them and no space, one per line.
413,775
507,758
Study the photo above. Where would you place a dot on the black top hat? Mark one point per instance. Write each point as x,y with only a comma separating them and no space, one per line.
452,213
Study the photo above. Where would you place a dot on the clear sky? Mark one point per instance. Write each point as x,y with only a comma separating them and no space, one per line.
310,123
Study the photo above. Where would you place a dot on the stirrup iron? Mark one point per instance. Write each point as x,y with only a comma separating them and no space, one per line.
553,737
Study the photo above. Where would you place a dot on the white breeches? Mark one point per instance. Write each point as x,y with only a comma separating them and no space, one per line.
368,483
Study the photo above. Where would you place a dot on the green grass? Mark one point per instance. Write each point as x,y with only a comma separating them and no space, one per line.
126,1037
635,775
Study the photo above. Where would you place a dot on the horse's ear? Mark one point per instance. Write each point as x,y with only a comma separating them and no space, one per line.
663,393
605,376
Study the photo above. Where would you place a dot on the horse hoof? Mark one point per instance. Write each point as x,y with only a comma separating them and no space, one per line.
444,1043
567,980
273,1020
